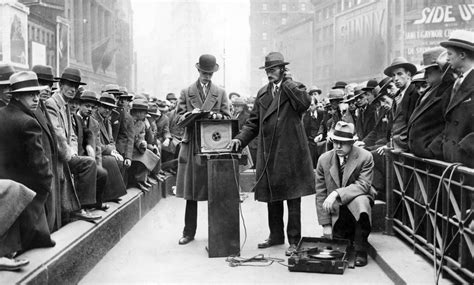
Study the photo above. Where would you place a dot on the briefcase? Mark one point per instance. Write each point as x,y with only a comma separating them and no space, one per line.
320,255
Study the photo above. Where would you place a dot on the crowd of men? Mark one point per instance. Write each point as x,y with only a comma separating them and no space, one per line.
65,151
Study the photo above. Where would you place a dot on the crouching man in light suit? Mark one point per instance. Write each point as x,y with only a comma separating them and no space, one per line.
343,191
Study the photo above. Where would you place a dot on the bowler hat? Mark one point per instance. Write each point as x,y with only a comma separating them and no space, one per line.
339,85
400,62
89,96
343,132
335,94
107,100
24,81
430,56
140,104
72,75
315,89
171,96
207,63
370,85
44,73
461,39
274,59
6,70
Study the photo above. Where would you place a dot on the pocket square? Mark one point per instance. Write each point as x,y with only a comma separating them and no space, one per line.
116,122
467,100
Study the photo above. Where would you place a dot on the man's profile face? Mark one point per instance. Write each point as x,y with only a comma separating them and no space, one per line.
362,100
312,107
74,105
433,75
105,112
386,102
342,148
68,89
45,94
401,77
454,58
3,95
86,109
274,74
205,77
29,99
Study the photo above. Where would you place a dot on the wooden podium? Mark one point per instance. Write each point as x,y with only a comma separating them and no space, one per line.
223,205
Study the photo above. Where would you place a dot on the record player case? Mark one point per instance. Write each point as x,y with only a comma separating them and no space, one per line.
213,136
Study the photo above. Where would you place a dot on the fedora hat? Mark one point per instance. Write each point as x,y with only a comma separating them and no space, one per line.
107,100
44,73
382,87
6,70
125,93
343,132
72,75
239,102
419,77
153,110
207,63
274,59
112,89
400,62
430,56
89,96
171,96
335,94
315,89
339,85
140,104
370,85
24,81
461,39
79,91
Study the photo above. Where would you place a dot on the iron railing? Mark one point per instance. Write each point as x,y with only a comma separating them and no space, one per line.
430,205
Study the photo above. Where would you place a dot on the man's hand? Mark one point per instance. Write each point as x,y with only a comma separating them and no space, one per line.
166,142
196,110
381,150
234,145
329,202
90,151
359,143
318,138
117,155
127,163
216,116
327,231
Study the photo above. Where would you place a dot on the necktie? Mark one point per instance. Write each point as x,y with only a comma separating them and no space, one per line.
275,91
68,127
456,86
343,164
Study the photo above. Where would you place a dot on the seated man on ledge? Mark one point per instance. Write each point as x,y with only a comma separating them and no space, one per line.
343,191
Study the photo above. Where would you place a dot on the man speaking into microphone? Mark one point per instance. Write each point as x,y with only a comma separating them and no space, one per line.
284,168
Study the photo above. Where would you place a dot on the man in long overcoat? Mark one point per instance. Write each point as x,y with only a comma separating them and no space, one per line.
191,181
23,158
458,142
284,167
343,191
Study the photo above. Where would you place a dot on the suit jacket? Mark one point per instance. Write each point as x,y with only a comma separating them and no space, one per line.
313,127
401,114
122,130
106,139
191,181
145,156
426,125
284,167
365,121
380,134
355,188
458,135
88,135
242,117
163,128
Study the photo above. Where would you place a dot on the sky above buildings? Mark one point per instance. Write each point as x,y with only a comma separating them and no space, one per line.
169,37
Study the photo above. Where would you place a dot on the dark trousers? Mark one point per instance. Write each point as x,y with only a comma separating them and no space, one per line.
346,227
190,218
84,169
102,176
275,221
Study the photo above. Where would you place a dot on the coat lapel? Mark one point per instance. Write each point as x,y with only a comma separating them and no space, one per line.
194,96
429,101
351,164
334,170
211,98
278,100
266,98
464,91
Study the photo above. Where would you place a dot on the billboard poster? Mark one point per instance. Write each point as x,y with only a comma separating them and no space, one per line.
38,53
62,44
18,28
428,23
360,47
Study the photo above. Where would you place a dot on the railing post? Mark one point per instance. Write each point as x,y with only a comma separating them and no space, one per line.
389,192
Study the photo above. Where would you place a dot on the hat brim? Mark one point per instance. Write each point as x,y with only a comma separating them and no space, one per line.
408,66
110,105
315,91
60,78
342,139
5,82
447,44
89,100
274,65
28,89
216,68
154,114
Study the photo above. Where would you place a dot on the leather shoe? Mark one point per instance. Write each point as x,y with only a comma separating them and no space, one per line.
12,264
361,258
86,216
269,242
291,250
151,180
143,187
185,240
146,184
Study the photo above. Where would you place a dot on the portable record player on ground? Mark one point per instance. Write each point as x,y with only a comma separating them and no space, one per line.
321,255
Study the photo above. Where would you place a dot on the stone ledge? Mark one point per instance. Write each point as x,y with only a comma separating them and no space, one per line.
80,244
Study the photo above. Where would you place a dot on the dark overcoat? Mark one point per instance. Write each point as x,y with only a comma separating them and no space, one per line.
284,168
380,134
50,146
147,157
365,121
355,188
163,128
23,160
401,114
191,181
458,135
426,122
122,131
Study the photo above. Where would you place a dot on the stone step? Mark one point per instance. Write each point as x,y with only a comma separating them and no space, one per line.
80,245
